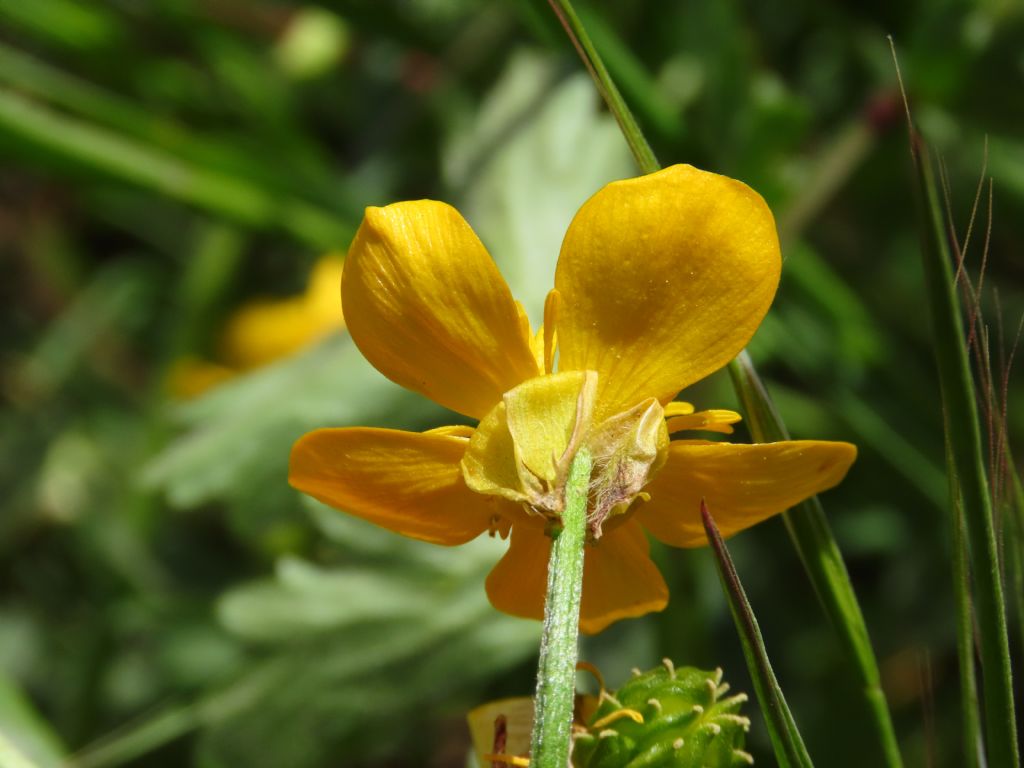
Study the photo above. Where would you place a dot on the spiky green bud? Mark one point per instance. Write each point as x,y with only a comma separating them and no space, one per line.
666,718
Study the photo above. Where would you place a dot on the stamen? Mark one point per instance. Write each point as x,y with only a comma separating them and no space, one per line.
586,666
678,408
552,305
632,714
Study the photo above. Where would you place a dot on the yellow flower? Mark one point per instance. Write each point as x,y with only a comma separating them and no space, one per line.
661,280
266,330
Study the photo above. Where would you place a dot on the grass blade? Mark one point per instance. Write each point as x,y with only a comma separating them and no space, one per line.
786,740
1015,549
970,711
811,535
108,153
638,143
963,435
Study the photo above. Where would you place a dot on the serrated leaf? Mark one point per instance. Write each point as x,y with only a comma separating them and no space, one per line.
240,434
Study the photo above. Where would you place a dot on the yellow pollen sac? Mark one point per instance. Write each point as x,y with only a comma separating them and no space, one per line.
525,444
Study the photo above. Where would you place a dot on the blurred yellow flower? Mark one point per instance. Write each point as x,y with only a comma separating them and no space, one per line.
661,281
266,330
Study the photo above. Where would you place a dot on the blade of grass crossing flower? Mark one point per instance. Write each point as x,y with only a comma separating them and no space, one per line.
806,523
786,740
556,669
639,86
809,530
967,452
638,143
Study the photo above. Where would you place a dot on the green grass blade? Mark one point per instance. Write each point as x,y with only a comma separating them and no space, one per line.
629,72
811,535
1015,548
110,154
806,523
810,532
638,143
786,740
970,710
963,433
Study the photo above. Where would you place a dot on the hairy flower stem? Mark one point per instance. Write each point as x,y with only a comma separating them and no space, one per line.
556,670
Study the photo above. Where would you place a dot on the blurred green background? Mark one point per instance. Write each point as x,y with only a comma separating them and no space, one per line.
173,173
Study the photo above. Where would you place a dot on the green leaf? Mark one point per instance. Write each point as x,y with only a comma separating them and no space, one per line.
240,433
359,659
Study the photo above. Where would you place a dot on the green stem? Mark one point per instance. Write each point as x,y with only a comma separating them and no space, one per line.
556,671
638,144
806,523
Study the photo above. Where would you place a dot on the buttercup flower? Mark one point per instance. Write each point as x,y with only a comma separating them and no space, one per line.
262,331
661,280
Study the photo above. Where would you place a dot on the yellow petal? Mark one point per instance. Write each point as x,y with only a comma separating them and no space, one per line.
323,292
263,331
191,376
619,579
455,430
664,279
516,585
428,308
742,484
515,733
406,482
716,420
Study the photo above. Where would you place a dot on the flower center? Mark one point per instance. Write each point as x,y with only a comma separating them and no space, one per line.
523,448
